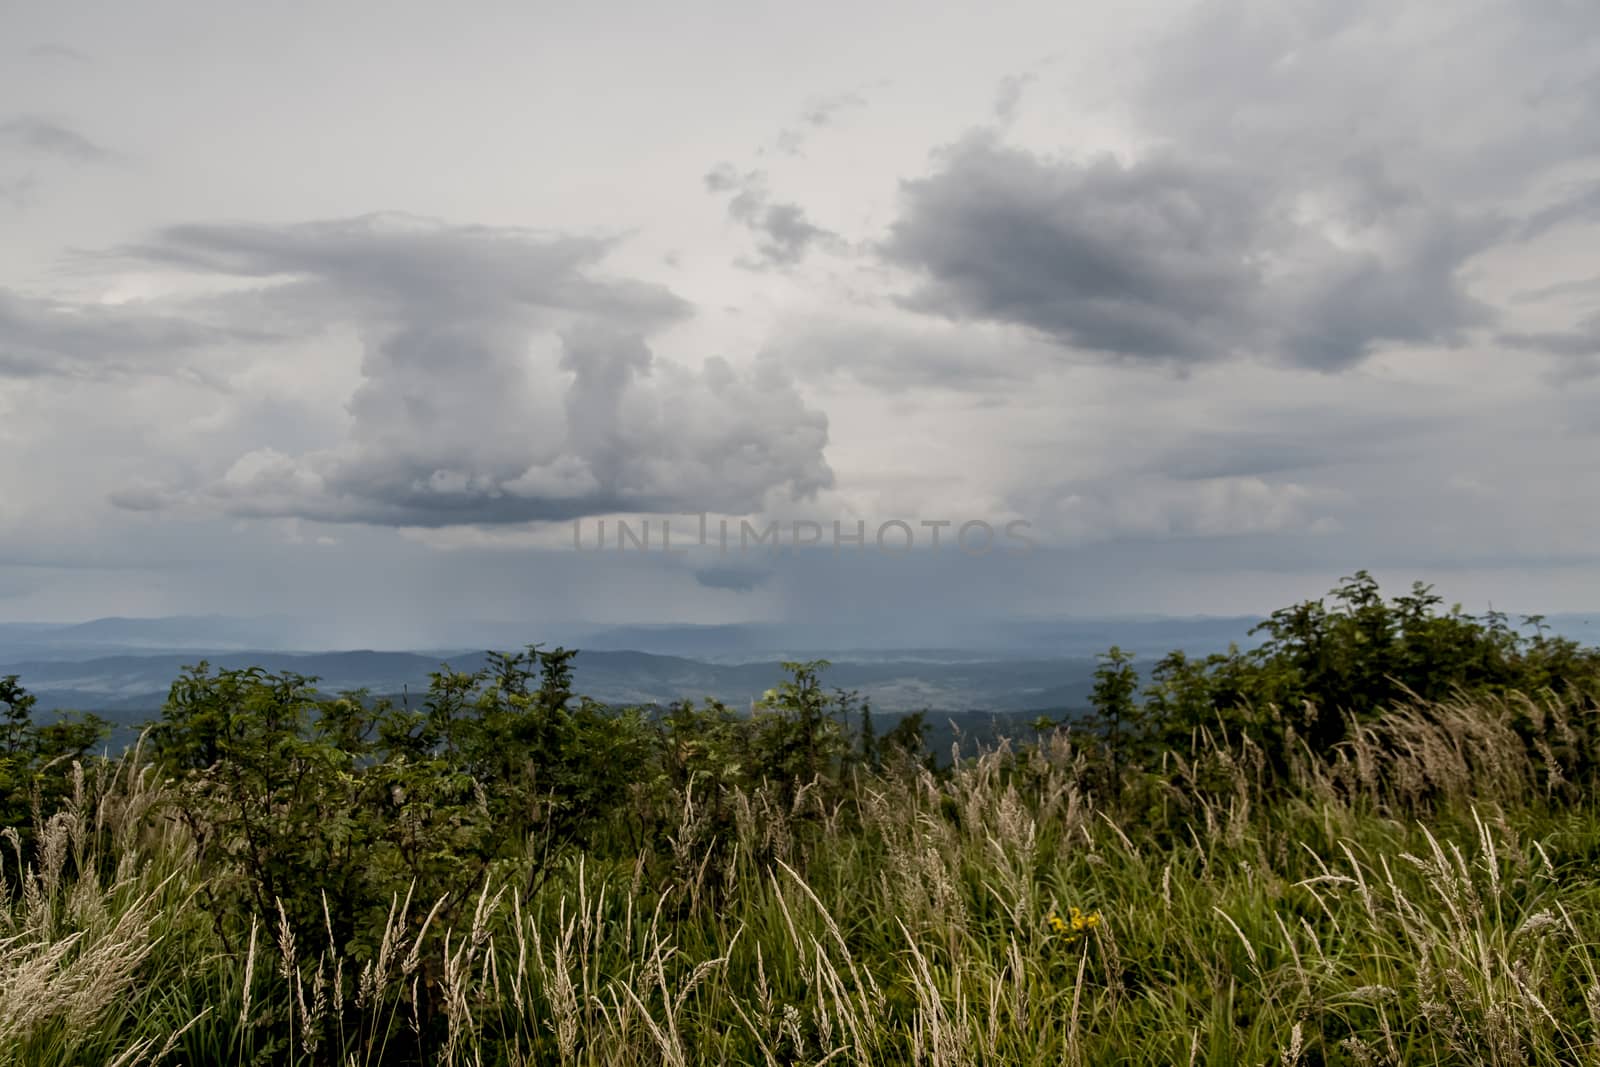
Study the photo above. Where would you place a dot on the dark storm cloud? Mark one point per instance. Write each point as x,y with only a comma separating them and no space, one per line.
1311,180
455,424
42,136
1168,259
1354,302
1152,260
783,233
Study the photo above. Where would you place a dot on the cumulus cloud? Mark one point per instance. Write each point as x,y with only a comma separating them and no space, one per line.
783,233
1278,198
462,417
1172,259
1152,260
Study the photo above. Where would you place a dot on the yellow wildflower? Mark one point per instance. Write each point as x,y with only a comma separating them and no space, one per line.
1072,927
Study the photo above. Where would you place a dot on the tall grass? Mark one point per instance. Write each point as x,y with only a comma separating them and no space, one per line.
1416,896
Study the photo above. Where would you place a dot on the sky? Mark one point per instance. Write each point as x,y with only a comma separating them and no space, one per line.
374,312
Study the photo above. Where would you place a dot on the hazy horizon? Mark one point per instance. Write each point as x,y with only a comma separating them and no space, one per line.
1072,636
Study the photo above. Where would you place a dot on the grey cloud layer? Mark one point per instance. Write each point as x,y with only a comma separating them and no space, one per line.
57,53
1172,260
1580,346
455,421
35,134
399,267
1287,200
40,338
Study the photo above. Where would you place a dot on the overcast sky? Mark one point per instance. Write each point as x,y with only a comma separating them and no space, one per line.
355,309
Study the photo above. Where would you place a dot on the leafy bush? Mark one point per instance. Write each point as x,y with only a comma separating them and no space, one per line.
35,757
1323,670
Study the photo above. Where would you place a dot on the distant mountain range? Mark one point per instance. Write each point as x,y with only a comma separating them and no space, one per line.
177,632
976,639
140,682
732,643
124,667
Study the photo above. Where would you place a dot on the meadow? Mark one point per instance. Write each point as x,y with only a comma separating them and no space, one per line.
1371,840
